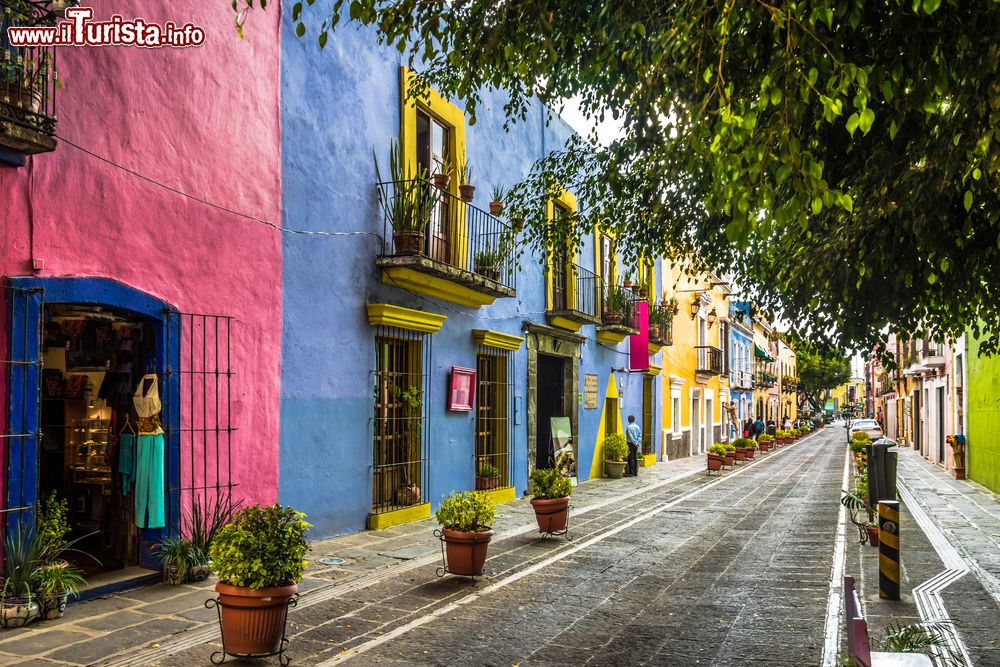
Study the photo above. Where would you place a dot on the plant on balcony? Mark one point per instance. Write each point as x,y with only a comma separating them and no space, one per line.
616,304
615,453
23,81
466,519
409,203
442,177
496,200
465,188
550,491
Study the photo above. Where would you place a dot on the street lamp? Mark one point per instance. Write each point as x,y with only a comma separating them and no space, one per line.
712,318
695,307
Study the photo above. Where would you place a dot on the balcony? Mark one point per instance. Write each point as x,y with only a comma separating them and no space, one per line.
27,85
437,244
575,296
617,314
661,328
765,380
709,360
741,380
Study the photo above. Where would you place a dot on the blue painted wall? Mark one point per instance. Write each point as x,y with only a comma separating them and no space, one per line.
741,359
337,106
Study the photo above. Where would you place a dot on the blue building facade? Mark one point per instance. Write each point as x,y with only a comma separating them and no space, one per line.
408,375
741,361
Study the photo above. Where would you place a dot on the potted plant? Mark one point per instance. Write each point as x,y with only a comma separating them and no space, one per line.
496,200
730,455
750,449
615,453
466,518
488,476
204,523
259,557
627,283
465,189
856,503
442,177
550,491
177,555
23,552
615,303
716,458
487,263
409,203
56,582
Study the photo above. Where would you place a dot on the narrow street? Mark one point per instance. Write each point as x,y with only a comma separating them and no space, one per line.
705,570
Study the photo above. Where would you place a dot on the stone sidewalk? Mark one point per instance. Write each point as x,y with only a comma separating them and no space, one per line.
132,628
949,556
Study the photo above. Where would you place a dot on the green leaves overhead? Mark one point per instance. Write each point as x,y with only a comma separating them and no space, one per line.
784,144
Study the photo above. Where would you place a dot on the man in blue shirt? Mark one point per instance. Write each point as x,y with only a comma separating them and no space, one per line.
633,434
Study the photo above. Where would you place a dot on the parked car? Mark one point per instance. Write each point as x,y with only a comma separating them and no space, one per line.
869,426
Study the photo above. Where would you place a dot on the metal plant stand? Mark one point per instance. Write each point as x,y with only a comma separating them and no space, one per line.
219,657
565,531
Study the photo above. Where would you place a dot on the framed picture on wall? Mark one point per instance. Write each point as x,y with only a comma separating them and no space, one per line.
462,389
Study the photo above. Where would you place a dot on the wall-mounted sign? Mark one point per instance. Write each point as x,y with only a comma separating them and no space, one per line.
590,391
462,389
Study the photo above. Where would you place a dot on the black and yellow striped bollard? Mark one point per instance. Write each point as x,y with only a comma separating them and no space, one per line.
888,549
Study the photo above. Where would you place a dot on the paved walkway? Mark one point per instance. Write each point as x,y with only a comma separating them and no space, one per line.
141,626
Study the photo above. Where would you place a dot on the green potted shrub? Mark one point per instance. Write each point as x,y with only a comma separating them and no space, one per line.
550,491
487,263
23,554
177,555
615,453
56,582
466,190
466,520
259,557
616,302
496,200
716,454
730,455
488,476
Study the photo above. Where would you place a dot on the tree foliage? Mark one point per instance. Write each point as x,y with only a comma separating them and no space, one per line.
839,159
820,367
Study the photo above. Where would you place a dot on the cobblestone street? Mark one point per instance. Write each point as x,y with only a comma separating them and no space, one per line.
672,568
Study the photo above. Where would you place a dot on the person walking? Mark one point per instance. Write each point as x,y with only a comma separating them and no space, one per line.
633,435
758,428
748,431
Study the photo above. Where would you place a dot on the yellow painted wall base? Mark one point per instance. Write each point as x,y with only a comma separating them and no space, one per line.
648,460
501,496
397,517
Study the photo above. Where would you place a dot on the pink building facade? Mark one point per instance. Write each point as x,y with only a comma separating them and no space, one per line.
119,265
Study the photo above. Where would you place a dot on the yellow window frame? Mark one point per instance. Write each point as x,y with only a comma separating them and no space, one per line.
438,106
566,200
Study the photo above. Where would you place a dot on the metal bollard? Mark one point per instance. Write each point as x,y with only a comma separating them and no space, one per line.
888,550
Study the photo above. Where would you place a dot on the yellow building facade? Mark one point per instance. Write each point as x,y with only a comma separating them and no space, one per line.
787,381
695,380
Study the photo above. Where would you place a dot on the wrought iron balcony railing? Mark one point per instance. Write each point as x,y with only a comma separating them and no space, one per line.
709,359
661,324
27,81
618,306
575,290
422,220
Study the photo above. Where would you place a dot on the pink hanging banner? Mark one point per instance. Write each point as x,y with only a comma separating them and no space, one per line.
638,344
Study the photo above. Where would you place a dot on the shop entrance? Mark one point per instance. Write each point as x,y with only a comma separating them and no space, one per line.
551,403
93,359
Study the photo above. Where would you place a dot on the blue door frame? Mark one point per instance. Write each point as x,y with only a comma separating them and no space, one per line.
23,487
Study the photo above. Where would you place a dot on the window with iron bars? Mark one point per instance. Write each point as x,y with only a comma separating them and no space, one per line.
494,400
400,429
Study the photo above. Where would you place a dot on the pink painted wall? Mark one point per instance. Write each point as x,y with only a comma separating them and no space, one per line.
204,121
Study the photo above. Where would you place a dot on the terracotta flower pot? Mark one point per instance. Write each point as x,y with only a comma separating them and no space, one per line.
872,535
552,514
466,551
487,483
729,459
253,621
614,469
715,462
740,454
611,319
408,242
467,192
441,181
496,207
749,452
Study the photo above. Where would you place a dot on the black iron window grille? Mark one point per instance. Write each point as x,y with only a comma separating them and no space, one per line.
400,418
421,219
199,391
494,435
709,359
28,81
